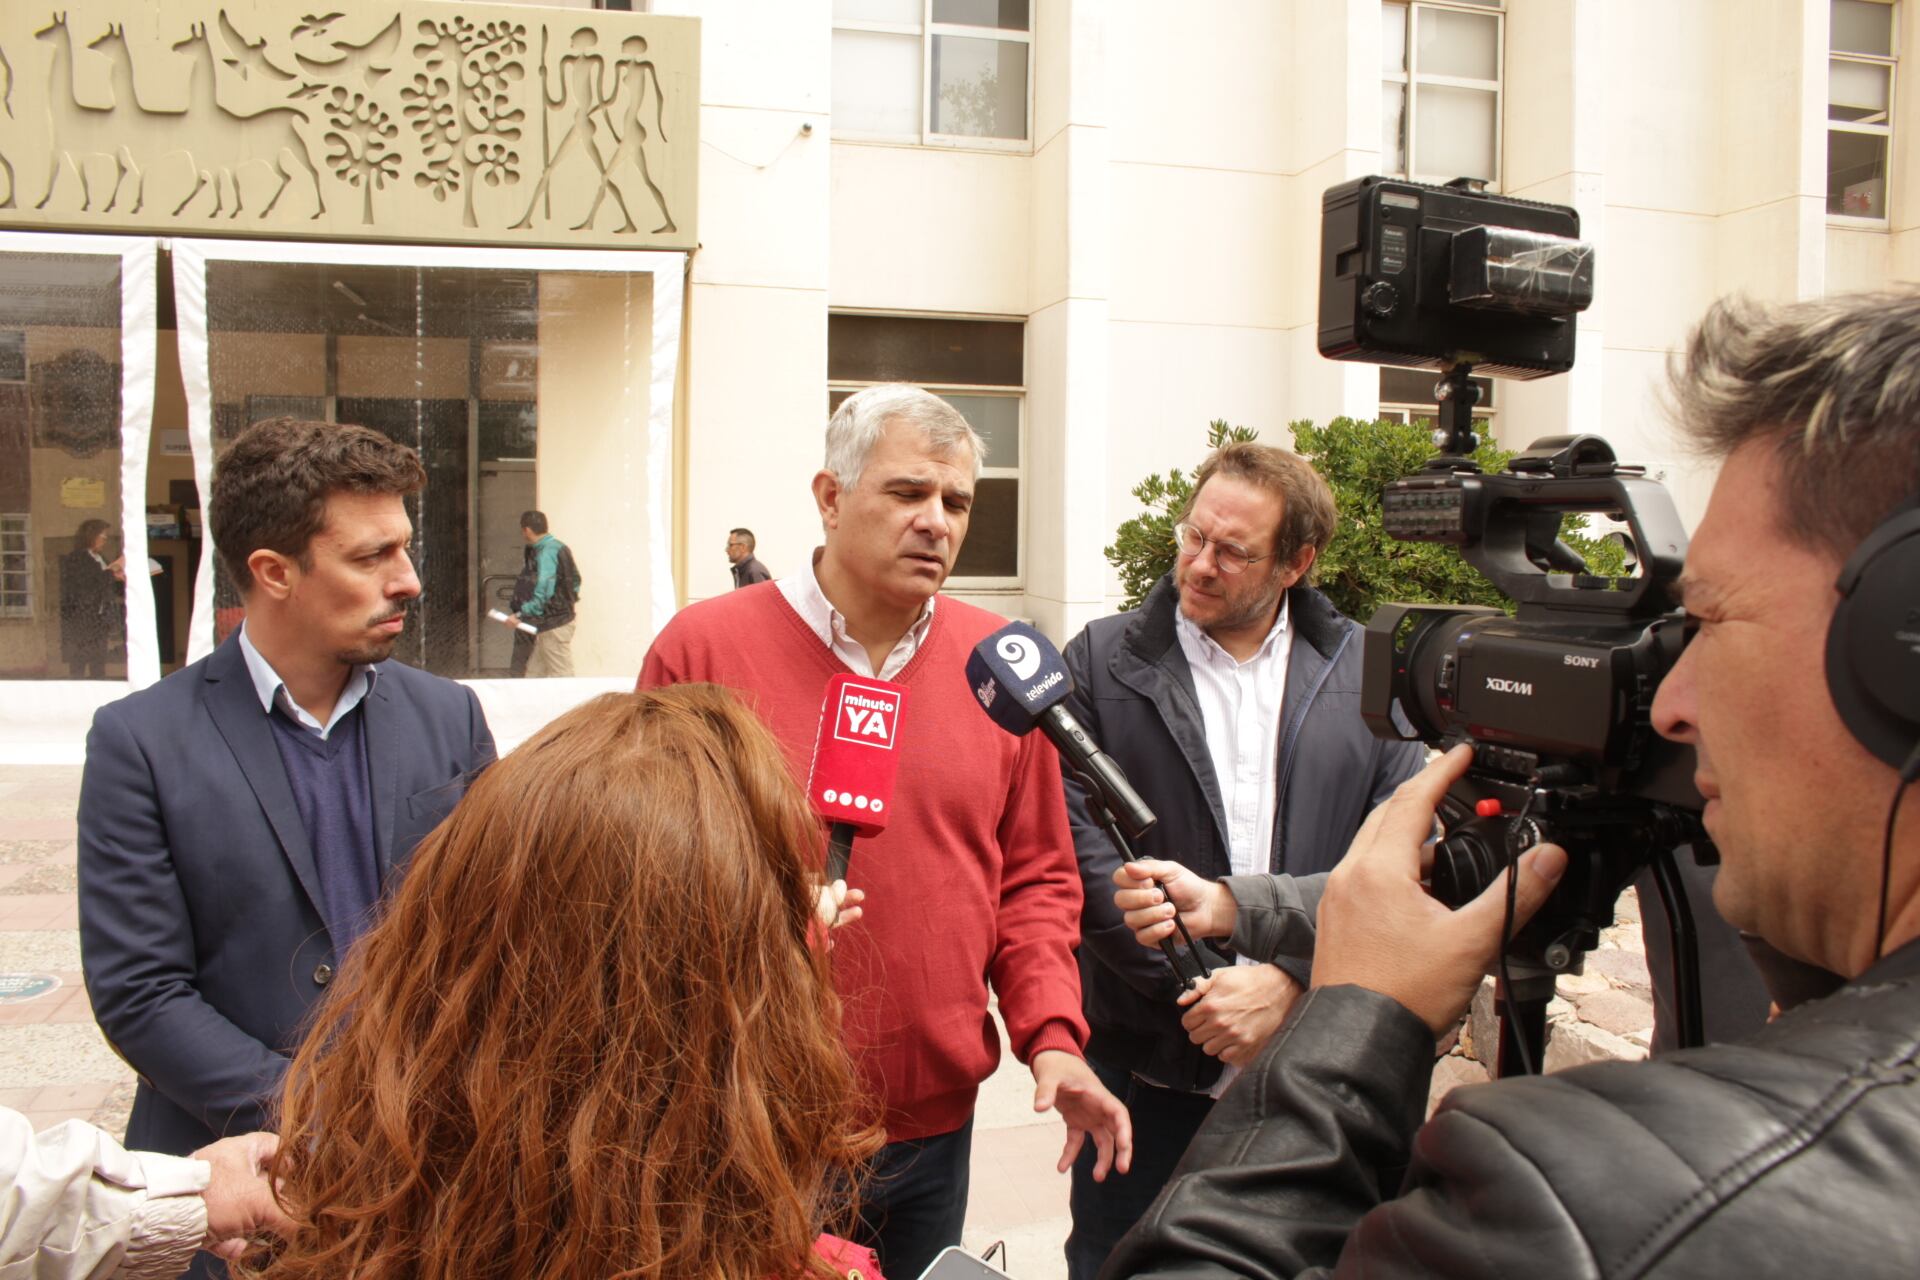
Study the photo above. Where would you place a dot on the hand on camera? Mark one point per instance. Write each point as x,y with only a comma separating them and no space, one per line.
1205,906
1380,929
1232,1012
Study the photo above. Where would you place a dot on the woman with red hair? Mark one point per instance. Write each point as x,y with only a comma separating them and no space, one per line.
593,1034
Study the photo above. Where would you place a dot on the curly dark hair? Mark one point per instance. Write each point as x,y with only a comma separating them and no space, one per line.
270,487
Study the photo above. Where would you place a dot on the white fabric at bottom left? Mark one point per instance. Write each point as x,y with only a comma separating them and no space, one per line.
78,1204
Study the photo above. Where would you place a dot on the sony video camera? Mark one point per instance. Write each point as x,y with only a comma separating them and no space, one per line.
1555,699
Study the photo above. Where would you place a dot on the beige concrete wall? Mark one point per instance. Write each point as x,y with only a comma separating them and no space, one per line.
756,399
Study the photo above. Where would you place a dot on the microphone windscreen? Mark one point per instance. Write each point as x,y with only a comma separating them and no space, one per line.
1016,674
856,752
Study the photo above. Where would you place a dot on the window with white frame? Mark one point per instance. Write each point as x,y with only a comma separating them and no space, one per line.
1860,68
977,366
16,566
1440,74
934,72
1406,395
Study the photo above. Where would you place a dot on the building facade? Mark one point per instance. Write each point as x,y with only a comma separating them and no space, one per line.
1093,223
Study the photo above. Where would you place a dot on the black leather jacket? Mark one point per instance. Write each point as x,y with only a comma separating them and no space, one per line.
1134,692
1795,1152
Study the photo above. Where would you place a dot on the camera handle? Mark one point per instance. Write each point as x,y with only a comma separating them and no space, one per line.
1103,814
1520,994
1457,394
1691,1028
1521,991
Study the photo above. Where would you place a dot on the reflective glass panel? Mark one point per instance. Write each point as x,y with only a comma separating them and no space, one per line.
980,353
979,87
1858,91
466,366
1456,136
63,578
992,548
1466,45
1859,26
997,419
1856,174
1007,15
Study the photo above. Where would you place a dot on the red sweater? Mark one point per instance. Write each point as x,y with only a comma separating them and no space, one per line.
973,880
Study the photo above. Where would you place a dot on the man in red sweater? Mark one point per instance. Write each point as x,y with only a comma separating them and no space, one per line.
975,879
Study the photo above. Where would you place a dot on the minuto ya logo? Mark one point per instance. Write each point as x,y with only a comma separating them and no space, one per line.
867,715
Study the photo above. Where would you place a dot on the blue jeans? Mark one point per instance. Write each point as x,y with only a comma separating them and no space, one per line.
1164,1122
914,1201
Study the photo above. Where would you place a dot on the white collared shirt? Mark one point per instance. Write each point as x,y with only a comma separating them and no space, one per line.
802,590
1240,709
272,690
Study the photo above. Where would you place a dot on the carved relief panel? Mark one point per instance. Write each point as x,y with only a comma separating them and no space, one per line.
422,120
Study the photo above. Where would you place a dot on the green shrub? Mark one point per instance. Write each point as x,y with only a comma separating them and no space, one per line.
1362,568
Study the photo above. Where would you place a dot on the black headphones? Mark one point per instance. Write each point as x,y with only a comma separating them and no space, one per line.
1873,643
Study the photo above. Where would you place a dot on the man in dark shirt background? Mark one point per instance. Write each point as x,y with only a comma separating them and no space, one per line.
746,569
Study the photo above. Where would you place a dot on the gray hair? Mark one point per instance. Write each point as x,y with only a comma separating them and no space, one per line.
857,424
1832,383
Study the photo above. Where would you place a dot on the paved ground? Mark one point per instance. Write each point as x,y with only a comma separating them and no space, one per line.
55,1066
53,1063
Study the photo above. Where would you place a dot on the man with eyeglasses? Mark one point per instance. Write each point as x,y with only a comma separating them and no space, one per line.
1231,697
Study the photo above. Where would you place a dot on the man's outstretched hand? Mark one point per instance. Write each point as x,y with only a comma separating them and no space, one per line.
1380,929
1065,1083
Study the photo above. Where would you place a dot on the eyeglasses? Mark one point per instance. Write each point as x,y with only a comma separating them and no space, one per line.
1230,556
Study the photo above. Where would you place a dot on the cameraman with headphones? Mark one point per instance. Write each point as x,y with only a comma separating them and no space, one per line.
1793,1150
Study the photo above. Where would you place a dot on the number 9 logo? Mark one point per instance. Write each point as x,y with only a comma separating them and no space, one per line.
1022,654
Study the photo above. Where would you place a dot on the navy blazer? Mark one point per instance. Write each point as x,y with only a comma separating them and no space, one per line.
202,928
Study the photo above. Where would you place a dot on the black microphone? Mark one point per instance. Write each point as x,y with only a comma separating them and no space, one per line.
1021,682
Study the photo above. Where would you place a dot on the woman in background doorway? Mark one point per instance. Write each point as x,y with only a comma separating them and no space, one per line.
92,602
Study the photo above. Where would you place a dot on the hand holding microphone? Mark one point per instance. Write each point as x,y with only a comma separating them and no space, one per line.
1021,681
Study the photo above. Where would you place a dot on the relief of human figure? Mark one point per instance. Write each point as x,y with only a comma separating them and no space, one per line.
76,131
6,101
625,117
583,83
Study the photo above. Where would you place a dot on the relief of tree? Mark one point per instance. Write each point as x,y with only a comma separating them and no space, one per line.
461,105
359,140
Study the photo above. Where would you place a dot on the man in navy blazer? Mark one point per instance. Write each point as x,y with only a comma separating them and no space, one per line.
240,820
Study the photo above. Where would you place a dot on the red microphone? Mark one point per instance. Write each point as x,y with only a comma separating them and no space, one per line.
855,758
